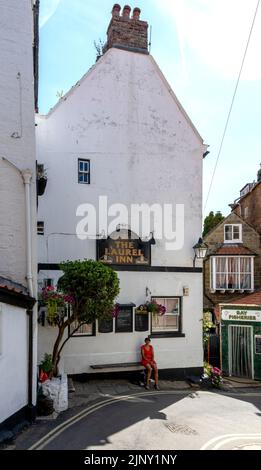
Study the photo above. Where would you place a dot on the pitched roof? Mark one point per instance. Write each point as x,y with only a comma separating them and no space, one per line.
251,299
12,286
233,249
159,72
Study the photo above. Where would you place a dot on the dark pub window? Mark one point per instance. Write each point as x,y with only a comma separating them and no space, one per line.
105,325
124,319
141,322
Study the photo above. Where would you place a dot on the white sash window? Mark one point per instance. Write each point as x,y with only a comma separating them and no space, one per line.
232,273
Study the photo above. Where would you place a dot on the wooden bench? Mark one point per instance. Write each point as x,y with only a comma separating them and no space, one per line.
117,366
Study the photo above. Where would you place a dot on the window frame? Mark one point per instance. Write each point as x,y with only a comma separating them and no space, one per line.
79,335
130,306
238,272
81,172
40,231
233,240
99,321
169,334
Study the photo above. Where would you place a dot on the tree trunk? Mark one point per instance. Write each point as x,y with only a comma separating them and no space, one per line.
56,352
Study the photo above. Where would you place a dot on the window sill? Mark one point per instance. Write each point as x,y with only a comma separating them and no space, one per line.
231,291
166,334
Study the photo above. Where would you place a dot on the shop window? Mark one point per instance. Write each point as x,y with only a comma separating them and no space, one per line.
124,319
170,321
257,344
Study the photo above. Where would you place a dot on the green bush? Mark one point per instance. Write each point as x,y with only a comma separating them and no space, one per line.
46,365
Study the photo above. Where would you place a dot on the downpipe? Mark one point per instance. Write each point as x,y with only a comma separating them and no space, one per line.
27,178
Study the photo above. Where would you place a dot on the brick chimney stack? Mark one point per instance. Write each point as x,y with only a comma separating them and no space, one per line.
127,32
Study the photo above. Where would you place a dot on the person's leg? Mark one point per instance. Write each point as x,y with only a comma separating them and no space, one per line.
156,374
149,370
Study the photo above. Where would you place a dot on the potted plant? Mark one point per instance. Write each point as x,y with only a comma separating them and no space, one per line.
45,367
41,180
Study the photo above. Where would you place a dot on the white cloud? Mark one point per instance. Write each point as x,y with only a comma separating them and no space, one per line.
216,31
47,10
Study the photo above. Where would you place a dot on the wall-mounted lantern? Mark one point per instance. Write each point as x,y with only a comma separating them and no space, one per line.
200,250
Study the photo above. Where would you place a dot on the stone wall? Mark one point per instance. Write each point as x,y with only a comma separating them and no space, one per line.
251,202
251,239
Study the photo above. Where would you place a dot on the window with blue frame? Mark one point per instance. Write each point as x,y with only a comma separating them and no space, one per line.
83,171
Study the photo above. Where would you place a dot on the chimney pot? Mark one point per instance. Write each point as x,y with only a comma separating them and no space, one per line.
125,33
116,10
136,13
126,11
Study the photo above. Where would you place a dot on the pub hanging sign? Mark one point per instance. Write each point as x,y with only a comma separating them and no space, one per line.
123,252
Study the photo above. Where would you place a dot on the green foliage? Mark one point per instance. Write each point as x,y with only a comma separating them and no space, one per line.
93,287
215,375
207,325
211,221
47,364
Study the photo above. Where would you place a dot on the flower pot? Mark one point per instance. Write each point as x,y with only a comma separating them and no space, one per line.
41,185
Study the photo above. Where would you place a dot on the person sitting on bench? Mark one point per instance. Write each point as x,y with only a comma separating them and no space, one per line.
147,353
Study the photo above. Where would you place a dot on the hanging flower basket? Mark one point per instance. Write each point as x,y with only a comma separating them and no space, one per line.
151,307
41,185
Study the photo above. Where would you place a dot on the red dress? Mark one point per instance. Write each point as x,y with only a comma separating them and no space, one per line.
148,354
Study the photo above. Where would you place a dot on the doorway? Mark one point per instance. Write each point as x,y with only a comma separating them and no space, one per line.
241,351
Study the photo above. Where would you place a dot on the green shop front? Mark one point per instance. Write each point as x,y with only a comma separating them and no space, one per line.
241,340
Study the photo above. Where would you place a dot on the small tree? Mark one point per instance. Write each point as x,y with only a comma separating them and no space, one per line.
85,293
211,221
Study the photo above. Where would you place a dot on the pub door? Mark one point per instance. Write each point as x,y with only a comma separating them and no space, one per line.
240,351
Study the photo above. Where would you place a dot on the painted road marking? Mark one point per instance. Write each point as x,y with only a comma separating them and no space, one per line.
87,411
217,442
49,437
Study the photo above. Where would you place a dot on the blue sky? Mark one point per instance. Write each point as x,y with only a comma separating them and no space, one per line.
199,45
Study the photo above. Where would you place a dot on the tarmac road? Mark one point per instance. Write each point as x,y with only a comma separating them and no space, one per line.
178,420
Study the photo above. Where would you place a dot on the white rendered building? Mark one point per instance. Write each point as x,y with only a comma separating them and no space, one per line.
121,133
18,261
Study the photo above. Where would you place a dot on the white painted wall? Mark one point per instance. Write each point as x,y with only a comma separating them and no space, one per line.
16,116
143,149
114,348
13,360
17,144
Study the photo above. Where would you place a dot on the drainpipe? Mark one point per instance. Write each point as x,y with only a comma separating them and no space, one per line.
27,177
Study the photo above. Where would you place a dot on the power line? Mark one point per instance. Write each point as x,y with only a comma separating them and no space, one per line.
232,103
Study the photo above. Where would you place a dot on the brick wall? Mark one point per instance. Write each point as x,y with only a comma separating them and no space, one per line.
251,239
252,201
127,32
